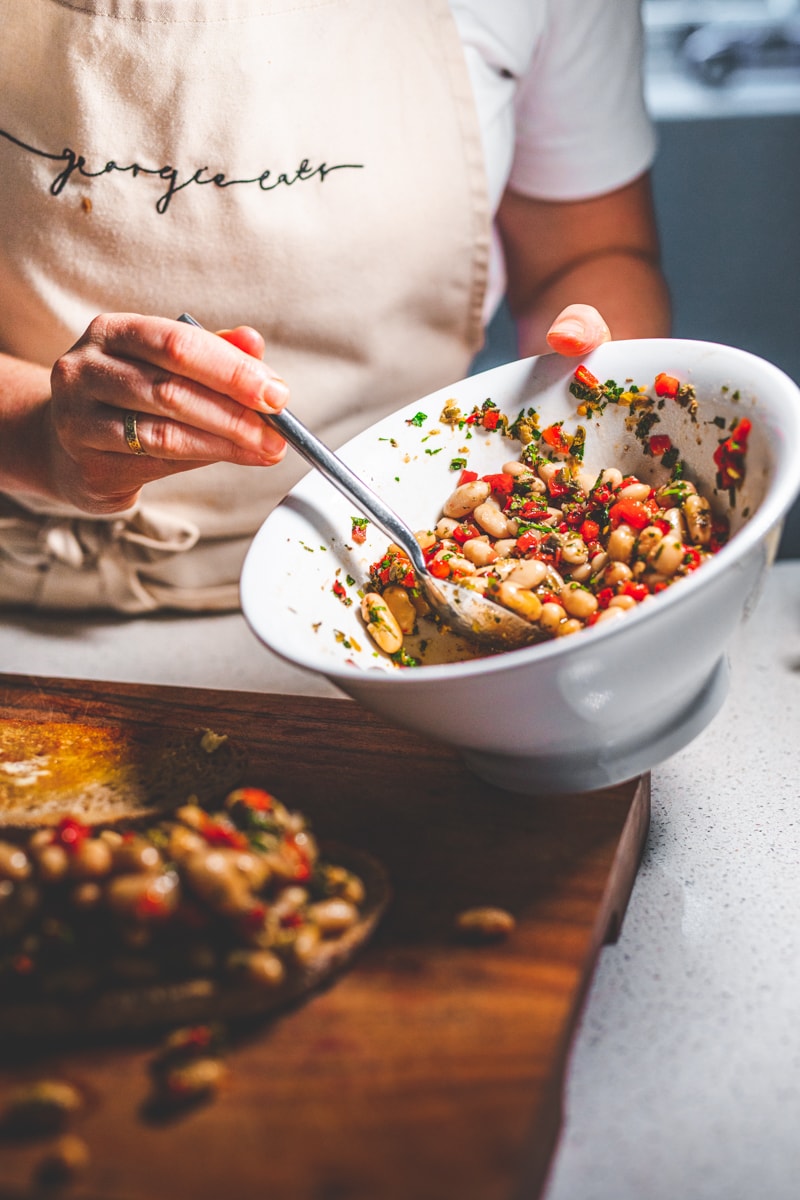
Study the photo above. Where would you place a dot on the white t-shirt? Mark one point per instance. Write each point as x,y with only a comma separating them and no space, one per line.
559,95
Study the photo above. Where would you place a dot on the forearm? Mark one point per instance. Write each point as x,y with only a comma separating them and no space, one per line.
628,289
602,252
24,427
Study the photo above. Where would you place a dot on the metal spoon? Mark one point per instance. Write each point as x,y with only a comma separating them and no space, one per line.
459,608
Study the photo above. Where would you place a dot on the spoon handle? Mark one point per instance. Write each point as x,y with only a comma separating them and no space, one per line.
331,466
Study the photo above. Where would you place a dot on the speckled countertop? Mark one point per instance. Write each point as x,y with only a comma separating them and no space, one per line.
684,1079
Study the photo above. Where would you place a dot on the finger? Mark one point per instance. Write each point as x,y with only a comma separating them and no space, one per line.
175,441
246,338
577,329
193,353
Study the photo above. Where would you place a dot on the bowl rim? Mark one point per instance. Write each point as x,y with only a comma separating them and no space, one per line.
784,489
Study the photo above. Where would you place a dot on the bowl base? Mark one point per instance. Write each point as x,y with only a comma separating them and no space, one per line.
541,775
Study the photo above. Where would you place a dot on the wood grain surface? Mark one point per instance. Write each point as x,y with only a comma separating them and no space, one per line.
431,1069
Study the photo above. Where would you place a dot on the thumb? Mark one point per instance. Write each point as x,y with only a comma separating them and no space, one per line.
577,329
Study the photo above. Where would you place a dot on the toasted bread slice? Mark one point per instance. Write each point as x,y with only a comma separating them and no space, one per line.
103,773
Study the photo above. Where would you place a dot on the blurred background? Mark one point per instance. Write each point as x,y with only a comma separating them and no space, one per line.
723,85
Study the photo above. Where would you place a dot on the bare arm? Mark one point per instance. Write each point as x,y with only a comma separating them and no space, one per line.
601,252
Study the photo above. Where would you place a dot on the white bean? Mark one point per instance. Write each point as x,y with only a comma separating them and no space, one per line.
578,601
529,573
697,511
520,600
620,543
401,607
552,616
466,497
446,526
634,491
574,549
667,555
492,520
479,551
647,539
381,624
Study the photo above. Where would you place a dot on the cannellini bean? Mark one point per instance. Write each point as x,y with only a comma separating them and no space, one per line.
598,561
427,538
522,472
697,512
574,549
674,493
333,916
485,923
14,862
528,573
549,470
142,896
620,543
91,859
581,572
634,491
479,551
616,572
551,616
445,527
458,563
520,600
505,547
491,519
306,943
667,555
262,967
52,862
610,614
611,477
647,539
578,601
571,625
401,607
465,498
622,602
381,625
676,520
194,1079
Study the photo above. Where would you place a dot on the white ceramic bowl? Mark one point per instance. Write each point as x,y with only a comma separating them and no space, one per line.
580,712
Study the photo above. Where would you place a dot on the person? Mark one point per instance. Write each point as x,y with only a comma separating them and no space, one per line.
341,194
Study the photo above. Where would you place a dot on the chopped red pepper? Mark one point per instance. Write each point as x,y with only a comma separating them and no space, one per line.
465,532
502,483
667,385
729,455
467,477
660,443
338,589
554,436
70,832
692,558
221,833
585,377
549,598
491,418
590,530
637,591
257,798
528,542
605,596
439,568
631,512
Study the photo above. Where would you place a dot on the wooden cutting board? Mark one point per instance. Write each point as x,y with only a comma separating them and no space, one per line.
431,1070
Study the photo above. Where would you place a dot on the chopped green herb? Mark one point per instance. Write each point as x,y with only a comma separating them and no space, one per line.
418,419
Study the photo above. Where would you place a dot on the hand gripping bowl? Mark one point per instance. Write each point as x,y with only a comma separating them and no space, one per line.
579,712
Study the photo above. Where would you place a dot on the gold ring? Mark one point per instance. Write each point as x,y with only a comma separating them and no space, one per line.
132,434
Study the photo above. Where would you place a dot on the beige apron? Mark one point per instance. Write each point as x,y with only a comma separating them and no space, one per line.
310,167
